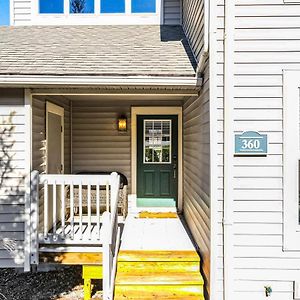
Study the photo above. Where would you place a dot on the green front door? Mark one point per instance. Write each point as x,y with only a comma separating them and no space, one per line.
157,160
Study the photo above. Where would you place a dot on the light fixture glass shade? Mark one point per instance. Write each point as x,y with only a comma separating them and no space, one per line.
122,123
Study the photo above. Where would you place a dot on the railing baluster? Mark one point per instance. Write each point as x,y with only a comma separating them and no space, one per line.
45,209
63,208
72,209
98,210
80,210
89,212
107,196
54,208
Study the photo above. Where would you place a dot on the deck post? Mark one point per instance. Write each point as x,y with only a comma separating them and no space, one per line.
34,216
107,256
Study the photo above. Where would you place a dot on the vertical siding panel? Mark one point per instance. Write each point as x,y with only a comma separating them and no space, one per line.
12,174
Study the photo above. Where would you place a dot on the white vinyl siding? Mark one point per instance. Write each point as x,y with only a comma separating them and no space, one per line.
196,173
266,42
21,12
291,159
12,174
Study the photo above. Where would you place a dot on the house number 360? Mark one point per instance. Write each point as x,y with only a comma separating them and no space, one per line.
250,144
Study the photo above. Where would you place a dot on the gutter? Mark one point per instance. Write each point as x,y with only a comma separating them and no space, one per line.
49,80
228,221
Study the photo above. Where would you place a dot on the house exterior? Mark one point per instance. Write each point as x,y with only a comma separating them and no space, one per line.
224,68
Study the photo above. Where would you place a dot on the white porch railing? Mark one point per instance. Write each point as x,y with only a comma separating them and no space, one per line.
60,218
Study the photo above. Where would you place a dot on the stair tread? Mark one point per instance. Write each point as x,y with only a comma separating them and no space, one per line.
157,255
159,278
159,292
150,266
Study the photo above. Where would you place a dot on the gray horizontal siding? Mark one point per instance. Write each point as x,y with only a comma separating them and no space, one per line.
97,144
172,12
193,24
39,137
12,174
196,147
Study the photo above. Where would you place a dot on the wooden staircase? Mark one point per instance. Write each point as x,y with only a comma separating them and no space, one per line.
149,275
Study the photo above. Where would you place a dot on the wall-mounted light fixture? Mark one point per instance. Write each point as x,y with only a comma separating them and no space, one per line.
122,123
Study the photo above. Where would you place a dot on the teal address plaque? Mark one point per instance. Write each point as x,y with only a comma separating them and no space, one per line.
251,143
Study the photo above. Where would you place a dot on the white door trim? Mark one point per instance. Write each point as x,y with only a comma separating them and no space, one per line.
156,110
58,110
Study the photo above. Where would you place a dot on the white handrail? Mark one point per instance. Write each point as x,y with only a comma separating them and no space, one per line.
110,242
58,186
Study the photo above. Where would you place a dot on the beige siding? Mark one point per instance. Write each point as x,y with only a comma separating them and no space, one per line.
196,147
97,144
12,173
193,24
39,132
172,12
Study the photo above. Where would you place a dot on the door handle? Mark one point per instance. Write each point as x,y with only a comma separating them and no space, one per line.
174,171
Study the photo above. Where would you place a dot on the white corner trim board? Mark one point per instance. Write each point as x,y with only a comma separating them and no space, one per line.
229,60
291,157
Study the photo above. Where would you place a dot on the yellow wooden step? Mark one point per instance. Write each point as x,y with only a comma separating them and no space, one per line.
71,258
159,278
156,256
150,266
157,215
159,292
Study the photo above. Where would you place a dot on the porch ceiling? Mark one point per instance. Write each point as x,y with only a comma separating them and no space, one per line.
95,51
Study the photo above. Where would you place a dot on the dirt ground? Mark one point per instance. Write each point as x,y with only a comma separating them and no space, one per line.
62,284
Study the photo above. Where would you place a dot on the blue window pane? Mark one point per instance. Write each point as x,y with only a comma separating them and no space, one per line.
143,6
52,7
113,6
82,6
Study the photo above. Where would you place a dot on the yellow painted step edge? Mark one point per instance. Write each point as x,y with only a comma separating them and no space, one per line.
157,255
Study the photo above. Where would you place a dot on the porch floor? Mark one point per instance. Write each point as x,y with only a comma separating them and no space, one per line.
155,234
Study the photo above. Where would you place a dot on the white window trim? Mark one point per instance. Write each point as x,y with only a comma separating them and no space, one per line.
171,137
97,18
156,110
291,156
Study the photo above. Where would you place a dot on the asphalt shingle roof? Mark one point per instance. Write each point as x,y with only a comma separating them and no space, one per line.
95,50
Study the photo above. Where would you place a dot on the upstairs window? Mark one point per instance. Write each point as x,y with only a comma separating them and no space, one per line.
143,6
51,7
82,6
115,6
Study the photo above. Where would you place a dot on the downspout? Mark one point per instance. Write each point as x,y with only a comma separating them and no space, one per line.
228,148
204,53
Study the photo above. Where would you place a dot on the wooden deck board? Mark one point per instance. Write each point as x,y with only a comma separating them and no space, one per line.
71,258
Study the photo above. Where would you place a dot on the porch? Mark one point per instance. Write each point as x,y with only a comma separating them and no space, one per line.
70,209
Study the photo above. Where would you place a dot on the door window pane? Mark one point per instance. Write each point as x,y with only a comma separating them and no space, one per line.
157,141
51,7
82,6
143,6
115,6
